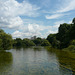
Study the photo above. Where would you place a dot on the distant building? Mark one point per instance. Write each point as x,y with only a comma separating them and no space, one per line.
34,37
43,38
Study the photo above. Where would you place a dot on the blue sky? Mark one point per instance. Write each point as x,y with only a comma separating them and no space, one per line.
27,18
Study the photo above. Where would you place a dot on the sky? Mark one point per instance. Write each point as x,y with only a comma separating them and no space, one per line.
27,18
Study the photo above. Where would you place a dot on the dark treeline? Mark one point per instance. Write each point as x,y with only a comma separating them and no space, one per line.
65,38
6,41
28,42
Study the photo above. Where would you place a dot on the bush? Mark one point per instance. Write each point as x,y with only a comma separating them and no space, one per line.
45,43
72,42
71,47
28,42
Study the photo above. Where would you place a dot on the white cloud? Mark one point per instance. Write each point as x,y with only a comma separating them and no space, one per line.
17,34
68,5
54,16
54,29
36,30
15,22
57,24
30,30
11,10
64,7
12,22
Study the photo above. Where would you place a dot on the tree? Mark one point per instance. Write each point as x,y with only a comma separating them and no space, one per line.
2,31
17,42
51,37
28,42
0,44
56,43
53,40
72,32
37,41
63,31
73,21
63,35
45,43
72,42
6,40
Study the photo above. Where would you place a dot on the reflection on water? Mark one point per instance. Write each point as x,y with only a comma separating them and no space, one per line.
5,62
36,61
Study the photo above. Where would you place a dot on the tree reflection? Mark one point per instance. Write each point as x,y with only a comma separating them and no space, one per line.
5,60
36,48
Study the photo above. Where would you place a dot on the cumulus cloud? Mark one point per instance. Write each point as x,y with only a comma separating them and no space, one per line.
30,30
36,29
11,10
19,34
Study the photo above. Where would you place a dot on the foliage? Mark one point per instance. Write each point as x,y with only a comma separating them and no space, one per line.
65,38
0,44
5,40
51,37
54,42
25,42
66,33
17,42
45,43
71,47
72,42
37,41
73,21
72,32
28,42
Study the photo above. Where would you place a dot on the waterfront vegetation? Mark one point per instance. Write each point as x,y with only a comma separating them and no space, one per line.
64,39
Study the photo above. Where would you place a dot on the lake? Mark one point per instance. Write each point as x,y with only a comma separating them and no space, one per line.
37,61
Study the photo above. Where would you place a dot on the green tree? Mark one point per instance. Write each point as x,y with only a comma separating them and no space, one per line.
28,42
51,37
0,44
56,43
6,40
63,31
37,41
17,42
63,35
73,21
72,32
45,43
2,31
72,42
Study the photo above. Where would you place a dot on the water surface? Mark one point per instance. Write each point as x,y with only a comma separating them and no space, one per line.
36,61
